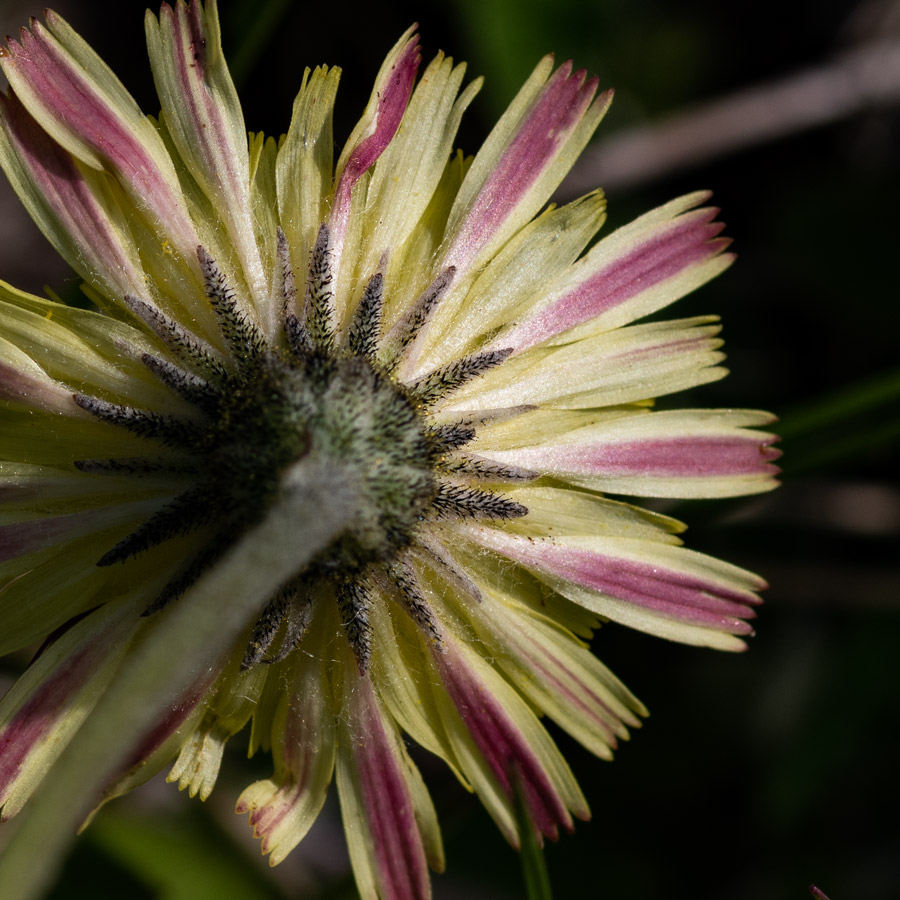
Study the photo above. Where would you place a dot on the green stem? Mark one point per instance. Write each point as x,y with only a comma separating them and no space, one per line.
534,866
844,404
850,446
190,636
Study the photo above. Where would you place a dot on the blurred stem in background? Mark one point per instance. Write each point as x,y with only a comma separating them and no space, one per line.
862,79
256,21
828,429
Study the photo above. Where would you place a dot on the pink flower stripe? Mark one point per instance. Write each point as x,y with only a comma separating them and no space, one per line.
671,356
502,745
79,109
669,592
265,819
680,457
178,713
665,348
208,132
71,201
38,716
17,492
34,733
663,254
20,387
306,745
400,865
392,103
542,133
20,538
566,683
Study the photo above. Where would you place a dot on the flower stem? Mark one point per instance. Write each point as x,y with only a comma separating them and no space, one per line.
534,866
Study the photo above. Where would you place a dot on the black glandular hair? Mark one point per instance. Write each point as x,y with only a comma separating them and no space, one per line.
263,404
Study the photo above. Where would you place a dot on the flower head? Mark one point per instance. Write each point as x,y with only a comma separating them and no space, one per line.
410,324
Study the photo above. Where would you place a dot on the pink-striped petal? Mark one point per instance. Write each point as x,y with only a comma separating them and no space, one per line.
228,709
527,269
65,204
518,756
19,538
683,453
203,115
602,370
44,709
75,97
563,683
639,268
376,129
283,808
522,162
655,587
555,671
24,382
375,780
158,746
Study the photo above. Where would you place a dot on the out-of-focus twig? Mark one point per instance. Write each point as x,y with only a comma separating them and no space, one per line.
859,80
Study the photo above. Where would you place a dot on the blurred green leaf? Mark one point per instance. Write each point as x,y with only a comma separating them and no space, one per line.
180,857
343,889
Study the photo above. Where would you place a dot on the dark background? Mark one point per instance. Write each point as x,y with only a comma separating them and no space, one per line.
755,774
